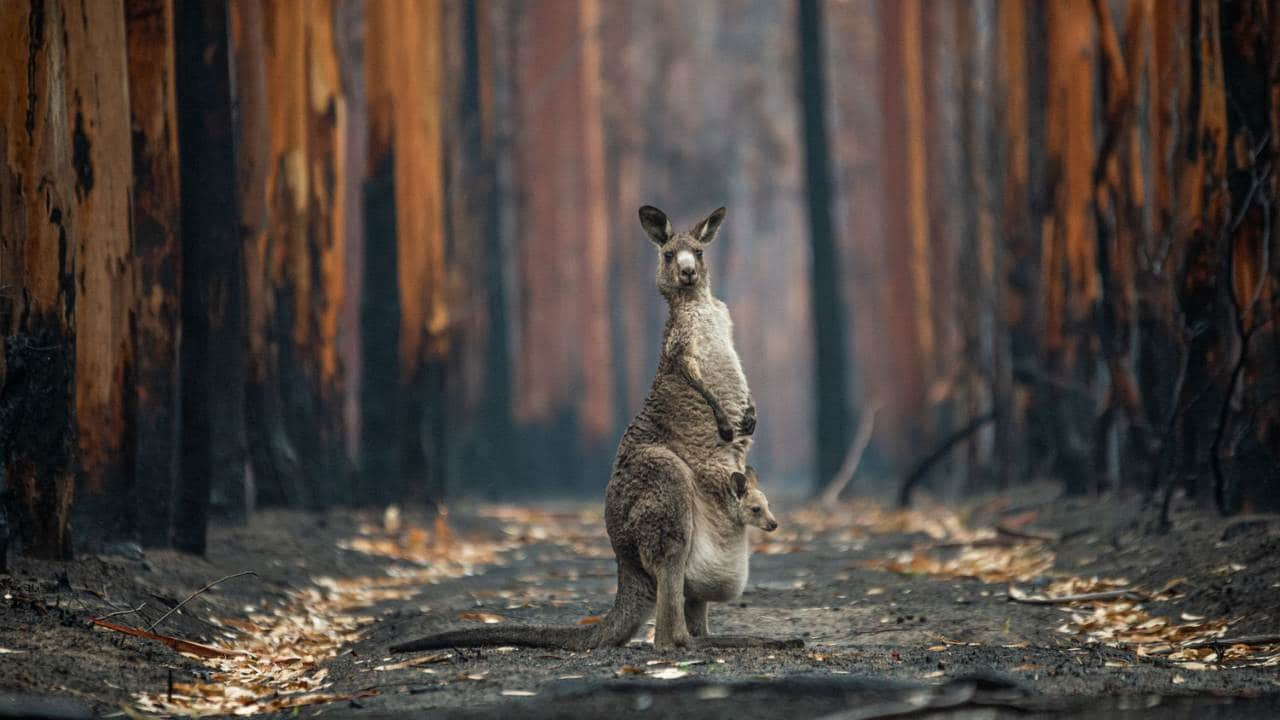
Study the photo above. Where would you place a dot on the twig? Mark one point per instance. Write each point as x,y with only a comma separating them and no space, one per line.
1240,640
135,611
190,597
923,467
1015,594
853,458
1027,534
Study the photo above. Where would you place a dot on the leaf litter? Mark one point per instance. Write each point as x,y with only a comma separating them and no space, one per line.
271,660
992,556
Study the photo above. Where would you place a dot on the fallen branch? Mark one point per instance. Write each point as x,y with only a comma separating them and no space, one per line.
1016,594
190,597
853,458
922,468
131,611
185,646
1240,640
1027,534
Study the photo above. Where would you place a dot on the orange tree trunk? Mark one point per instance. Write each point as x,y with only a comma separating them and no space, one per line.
37,274
405,201
99,113
907,330
157,238
277,474
1069,267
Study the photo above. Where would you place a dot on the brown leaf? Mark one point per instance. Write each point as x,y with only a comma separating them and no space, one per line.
185,646
590,620
484,617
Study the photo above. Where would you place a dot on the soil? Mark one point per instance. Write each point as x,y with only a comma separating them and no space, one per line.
878,643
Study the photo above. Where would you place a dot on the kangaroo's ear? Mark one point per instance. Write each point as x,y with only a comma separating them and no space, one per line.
753,479
705,231
655,224
739,484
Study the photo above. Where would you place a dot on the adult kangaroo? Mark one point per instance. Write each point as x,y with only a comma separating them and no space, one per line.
672,506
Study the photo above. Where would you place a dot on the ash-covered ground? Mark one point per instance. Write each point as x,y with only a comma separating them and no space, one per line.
900,613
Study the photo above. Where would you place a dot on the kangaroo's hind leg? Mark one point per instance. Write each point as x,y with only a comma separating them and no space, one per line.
656,489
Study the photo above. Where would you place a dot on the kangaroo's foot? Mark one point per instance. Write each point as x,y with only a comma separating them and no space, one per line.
670,629
748,424
680,639
747,641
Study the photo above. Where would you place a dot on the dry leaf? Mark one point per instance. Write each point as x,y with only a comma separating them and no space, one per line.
669,673
412,662
484,617
182,646
590,620
518,693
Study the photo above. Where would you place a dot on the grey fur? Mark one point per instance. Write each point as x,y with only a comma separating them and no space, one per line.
673,512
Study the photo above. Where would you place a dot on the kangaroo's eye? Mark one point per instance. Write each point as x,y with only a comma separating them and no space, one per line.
668,256
755,510
698,253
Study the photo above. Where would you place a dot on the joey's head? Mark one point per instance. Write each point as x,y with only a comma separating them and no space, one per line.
752,503
681,266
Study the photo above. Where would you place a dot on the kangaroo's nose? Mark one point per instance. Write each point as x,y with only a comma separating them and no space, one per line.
688,274
773,525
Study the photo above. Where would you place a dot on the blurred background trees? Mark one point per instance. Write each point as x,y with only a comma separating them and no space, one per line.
310,253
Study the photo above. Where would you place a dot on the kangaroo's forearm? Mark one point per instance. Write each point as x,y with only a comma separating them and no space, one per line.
689,370
692,374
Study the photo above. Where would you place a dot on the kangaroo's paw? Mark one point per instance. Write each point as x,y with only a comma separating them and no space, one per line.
726,431
724,427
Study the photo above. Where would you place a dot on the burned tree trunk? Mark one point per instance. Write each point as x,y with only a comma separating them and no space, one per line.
1071,283
833,426
403,72
37,280
213,342
909,330
99,112
1199,245
1245,450
157,239
276,472
1016,272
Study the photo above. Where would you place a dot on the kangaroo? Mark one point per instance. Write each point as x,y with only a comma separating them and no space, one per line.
672,507
753,505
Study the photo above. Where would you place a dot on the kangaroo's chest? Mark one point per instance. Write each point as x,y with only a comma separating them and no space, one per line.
715,353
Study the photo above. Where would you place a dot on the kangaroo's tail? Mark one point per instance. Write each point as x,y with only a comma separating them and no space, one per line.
632,607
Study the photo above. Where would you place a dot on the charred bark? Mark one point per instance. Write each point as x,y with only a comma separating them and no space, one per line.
831,397
157,217
214,450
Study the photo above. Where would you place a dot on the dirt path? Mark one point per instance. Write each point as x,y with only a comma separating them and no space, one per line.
890,618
